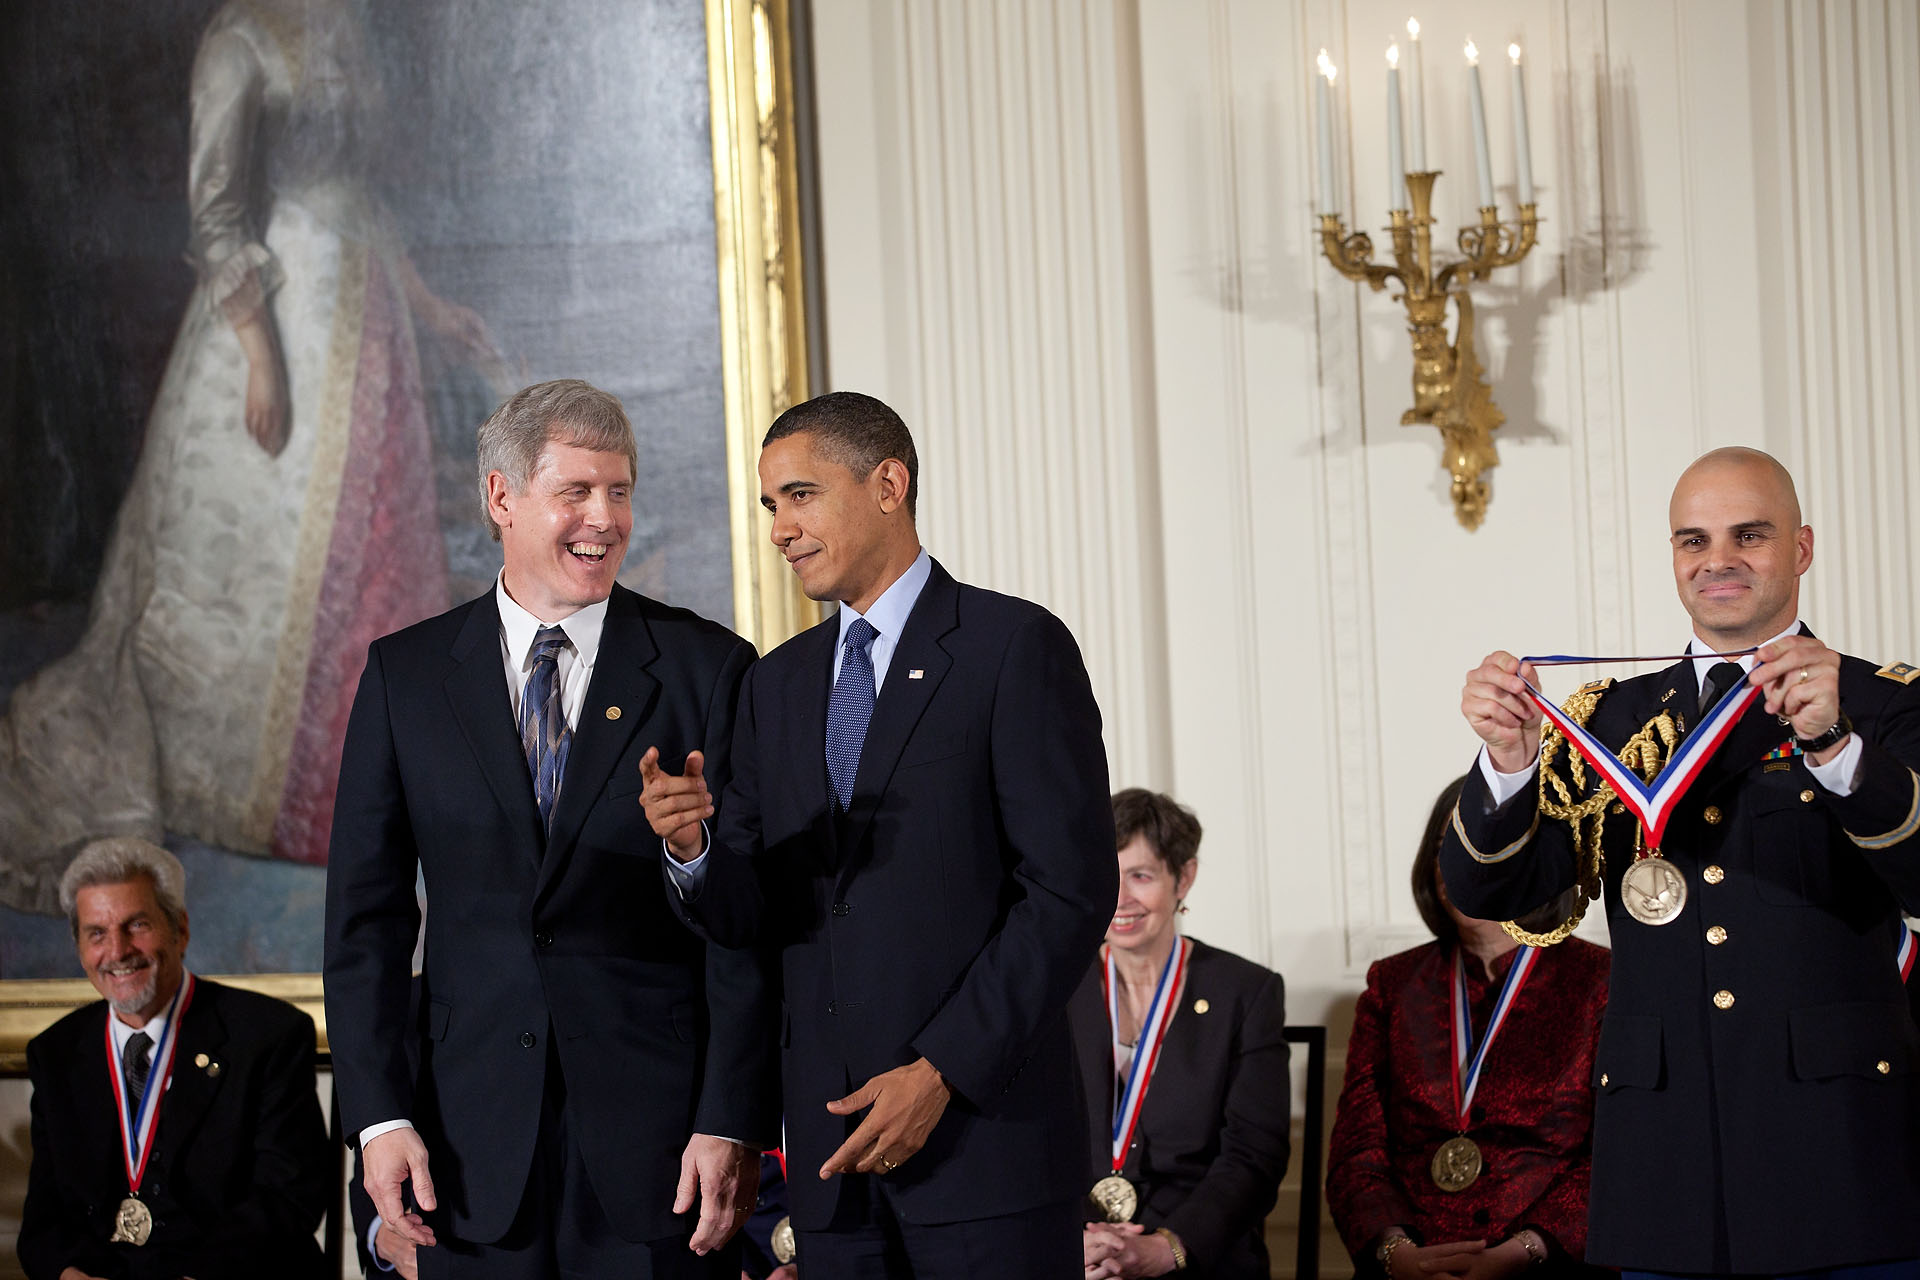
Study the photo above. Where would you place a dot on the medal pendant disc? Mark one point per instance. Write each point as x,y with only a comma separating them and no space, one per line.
1456,1164
1653,891
132,1223
1116,1197
785,1247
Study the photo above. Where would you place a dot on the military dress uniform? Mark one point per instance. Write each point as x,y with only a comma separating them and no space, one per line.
1758,1073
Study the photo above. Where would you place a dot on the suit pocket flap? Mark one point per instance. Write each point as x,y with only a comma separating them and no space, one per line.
1832,1040
933,748
1631,1053
438,1011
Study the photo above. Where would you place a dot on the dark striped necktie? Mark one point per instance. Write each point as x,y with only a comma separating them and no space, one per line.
135,1061
544,735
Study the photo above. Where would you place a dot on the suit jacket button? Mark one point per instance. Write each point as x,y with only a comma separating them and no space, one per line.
842,909
543,939
527,1039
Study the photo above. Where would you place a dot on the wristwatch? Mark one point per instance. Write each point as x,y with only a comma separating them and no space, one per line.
1813,746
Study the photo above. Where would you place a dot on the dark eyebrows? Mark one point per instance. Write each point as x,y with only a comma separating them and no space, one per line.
1745,526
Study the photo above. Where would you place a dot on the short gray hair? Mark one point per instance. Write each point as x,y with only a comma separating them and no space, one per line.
565,409
117,860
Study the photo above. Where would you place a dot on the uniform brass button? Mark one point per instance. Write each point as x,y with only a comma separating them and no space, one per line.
1712,815
1883,1067
1716,935
1723,999
1806,797
1713,874
1603,1079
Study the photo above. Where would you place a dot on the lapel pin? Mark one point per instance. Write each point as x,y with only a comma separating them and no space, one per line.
1201,1005
613,713
213,1071
201,1060
917,674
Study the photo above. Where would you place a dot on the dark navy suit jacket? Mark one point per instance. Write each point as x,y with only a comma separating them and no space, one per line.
567,938
949,913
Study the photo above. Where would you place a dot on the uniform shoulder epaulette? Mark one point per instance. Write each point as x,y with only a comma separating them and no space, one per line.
1904,672
1598,686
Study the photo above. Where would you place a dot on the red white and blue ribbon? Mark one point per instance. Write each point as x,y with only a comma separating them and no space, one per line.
1651,802
137,1128
1903,956
1470,1059
1146,1053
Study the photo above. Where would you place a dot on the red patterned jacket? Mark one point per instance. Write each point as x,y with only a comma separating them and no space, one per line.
1532,1115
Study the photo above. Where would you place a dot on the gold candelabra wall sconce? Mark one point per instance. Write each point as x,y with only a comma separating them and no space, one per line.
1450,388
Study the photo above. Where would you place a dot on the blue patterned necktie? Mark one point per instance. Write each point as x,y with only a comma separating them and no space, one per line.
849,710
544,735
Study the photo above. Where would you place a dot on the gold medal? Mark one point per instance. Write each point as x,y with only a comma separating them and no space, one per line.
132,1223
1653,890
1116,1198
1456,1164
785,1247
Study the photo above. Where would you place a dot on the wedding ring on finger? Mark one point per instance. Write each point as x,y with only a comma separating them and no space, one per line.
1805,675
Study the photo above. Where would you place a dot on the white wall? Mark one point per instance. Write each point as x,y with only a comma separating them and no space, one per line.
1073,241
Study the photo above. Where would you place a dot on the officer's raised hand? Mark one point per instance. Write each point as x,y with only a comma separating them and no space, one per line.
1496,704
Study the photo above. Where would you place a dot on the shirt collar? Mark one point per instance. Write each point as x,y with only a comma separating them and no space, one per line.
582,626
889,613
1703,665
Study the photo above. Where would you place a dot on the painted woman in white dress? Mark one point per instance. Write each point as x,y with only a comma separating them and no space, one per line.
282,514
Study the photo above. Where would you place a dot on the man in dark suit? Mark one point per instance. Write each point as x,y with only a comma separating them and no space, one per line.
1757,1110
917,827
196,1148
587,1069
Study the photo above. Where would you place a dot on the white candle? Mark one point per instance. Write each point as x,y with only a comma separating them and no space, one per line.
1323,85
1396,161
1523,158
1416,91
1482,162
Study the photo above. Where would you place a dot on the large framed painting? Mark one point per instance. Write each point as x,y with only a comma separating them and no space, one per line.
267,264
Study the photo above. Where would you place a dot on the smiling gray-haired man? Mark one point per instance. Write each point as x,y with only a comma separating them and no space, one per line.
176,1130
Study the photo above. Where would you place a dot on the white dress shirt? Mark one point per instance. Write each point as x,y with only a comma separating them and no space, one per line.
1836,775
888,617
517,631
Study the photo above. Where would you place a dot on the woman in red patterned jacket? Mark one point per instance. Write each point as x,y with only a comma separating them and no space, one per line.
1452,1158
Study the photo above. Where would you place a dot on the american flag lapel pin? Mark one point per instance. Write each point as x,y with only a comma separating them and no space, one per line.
917,673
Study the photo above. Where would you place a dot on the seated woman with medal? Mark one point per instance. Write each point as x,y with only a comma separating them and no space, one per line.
1463,1138
1183,1053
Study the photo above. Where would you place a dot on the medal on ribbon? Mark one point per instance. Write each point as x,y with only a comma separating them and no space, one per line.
133,1220
1117,1198
1652,889
1903,954
1458,1162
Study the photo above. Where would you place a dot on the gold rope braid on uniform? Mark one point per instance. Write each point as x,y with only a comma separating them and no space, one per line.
1645,752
